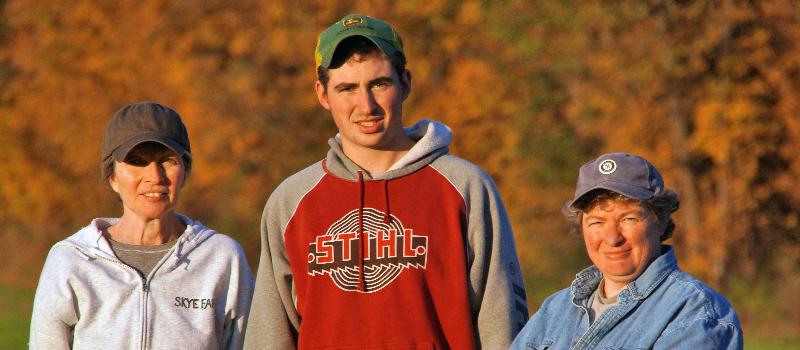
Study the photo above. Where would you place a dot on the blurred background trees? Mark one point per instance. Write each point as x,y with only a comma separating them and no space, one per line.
706,90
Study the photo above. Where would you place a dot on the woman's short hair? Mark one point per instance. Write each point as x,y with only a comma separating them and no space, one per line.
662,205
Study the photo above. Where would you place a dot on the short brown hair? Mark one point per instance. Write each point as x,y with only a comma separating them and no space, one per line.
662,205
358,45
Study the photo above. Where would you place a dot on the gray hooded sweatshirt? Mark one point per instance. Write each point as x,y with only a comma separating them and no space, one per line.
460,288
197,297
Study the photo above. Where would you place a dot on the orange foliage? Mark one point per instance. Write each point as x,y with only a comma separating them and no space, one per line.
707,90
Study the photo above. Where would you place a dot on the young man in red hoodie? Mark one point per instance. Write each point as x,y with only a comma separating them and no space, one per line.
389,242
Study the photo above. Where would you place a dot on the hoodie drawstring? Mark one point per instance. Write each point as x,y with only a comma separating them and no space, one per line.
361,280
386,217
362,239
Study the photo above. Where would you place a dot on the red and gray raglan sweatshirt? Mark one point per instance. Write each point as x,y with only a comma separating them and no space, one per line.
419,257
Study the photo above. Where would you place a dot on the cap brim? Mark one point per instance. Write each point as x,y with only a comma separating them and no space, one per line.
122,151
633,192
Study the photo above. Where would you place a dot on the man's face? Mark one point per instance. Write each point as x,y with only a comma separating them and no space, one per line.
622,239
365,96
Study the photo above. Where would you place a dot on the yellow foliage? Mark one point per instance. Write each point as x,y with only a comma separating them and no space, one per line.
706,90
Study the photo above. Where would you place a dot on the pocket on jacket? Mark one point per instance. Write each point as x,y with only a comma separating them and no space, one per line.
539,345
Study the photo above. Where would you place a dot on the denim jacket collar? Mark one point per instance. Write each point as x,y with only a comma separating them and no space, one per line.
587,280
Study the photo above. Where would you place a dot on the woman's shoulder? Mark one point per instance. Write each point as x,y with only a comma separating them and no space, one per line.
697,298
200,234
225,242
78,244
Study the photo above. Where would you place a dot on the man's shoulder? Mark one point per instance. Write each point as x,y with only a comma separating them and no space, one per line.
454,167
301,180
290,191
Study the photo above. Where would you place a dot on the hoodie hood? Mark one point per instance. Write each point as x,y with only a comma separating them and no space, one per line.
431,141
89,240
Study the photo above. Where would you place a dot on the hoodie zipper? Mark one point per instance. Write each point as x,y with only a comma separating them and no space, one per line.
145,297
142,300
145,290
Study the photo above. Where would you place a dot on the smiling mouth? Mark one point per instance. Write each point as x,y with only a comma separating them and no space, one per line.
369,121
617,255
153,195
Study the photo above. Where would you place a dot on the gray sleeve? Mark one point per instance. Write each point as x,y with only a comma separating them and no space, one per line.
496,290
54,306
242,280
274,322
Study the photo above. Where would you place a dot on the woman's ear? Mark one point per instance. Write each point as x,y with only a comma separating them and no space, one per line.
112,180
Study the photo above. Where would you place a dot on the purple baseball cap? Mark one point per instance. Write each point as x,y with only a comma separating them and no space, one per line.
623,173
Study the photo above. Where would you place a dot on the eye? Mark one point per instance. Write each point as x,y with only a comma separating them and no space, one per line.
593,223
346,88
136,161
382,85
631,220
171,161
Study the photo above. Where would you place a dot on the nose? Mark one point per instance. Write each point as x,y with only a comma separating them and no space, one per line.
612,236
154,173
366,103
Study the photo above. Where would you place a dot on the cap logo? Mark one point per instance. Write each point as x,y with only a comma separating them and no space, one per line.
607,166
352,21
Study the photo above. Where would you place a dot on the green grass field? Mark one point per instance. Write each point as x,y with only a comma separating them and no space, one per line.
15,308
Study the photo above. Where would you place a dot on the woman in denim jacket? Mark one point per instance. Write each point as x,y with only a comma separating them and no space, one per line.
634,296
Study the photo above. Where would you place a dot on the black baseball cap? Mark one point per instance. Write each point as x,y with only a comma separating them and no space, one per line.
144,122
624,173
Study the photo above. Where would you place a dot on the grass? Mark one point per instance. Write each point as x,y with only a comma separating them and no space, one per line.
15,309
772,344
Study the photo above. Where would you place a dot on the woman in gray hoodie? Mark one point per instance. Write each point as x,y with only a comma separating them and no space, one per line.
151,279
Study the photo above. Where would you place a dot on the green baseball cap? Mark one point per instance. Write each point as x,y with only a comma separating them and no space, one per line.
376,30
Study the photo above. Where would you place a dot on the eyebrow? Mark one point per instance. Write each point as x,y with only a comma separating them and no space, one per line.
344,86
380,80
623,214
349,85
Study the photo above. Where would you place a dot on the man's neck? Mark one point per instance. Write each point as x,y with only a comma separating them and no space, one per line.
376,161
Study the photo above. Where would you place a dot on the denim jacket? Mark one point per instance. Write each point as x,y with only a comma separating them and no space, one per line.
664,308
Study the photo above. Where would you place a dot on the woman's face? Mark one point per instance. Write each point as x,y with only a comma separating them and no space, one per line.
622,239
148,181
